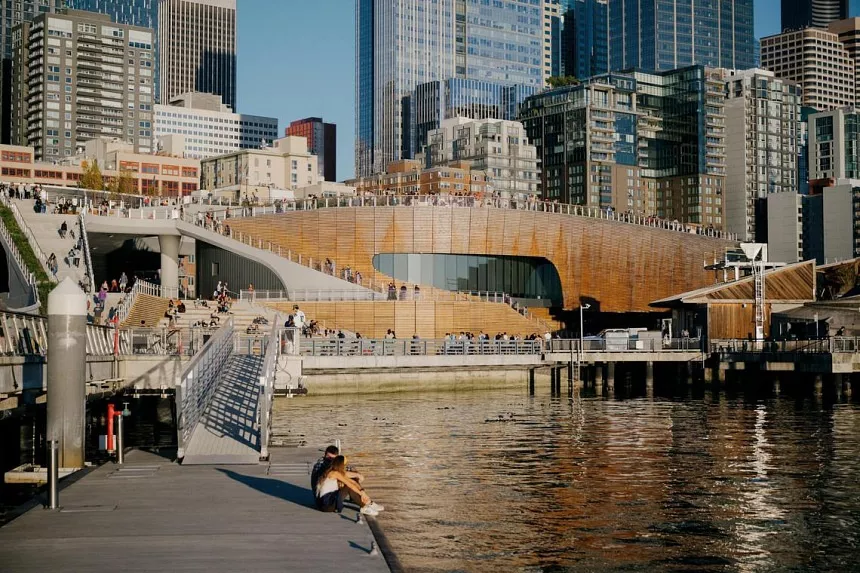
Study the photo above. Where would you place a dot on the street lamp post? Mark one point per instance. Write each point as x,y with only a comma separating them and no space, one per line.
582,307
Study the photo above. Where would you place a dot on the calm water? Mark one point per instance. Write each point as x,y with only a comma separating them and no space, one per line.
501,481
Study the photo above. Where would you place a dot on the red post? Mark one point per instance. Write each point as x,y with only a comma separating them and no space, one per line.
110,417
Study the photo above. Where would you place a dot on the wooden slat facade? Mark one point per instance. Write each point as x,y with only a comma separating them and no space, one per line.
621,267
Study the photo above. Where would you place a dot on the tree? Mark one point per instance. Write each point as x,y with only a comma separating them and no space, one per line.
559,81
125,183
92,177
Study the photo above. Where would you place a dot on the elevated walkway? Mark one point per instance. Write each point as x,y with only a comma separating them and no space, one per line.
45,228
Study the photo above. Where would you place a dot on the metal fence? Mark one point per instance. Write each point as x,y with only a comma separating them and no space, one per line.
88,259
22,265
376,292
624,345
198,381
836,344
410,347
267,387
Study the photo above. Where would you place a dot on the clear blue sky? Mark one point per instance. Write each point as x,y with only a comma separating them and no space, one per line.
297,59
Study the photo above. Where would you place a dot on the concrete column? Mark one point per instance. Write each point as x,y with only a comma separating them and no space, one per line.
532,382
776,386
649,376
818,385
67,364
169,245
610,375
599,377
846,386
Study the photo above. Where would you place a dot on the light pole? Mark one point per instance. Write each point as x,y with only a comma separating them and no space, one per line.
582,307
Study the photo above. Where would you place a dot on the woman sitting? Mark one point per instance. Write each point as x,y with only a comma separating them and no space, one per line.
334,486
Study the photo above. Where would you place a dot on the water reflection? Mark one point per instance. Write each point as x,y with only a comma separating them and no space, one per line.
500,481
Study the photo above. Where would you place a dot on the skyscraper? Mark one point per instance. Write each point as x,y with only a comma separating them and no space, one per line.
585,38
11,15
322,142
664,35
799,14
403,43
140,13
197,45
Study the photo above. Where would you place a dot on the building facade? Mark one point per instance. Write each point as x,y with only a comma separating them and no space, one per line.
322,142
762,123
848,32
205,127
197,48
585,38
817,61
84,77
649,144
433,102
552,26
497,147
661,35
410,177
403,43
271,173
151,174
834,144
13,14
800,14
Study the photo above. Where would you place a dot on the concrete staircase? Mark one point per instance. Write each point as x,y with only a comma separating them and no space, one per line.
45,229
147,308
243,314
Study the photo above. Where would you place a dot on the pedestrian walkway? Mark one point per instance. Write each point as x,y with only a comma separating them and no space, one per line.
45,228
153,515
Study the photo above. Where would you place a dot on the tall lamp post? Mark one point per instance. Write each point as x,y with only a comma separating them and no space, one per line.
582,307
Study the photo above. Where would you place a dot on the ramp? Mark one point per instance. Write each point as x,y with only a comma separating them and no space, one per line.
227,432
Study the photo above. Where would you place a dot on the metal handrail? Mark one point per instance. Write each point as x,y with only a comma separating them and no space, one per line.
416,347
22,265
267,388
31,238
88,260
834,345
198,381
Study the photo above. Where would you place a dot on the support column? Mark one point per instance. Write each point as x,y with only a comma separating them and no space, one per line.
649,376
532,382
846,386
169,245
837,385
599,378
818,385
776,386
610,376
67,363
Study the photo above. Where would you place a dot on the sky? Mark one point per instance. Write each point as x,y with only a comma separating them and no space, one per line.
296,58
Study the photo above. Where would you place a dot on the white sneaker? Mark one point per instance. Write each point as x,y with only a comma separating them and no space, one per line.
369,510
376,506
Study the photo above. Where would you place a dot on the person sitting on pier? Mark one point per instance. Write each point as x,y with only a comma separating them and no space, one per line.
333,484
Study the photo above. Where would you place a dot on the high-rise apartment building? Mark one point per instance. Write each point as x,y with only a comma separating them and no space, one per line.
13,14
848,32
799,14
762,122
647,143
834,144
432,102
817,61
497,147
84,77
197,48
403,43
585,38
140,13
322,142
201,126
664,35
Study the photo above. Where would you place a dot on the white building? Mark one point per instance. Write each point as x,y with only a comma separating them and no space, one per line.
208,127
496,146
762,123
286,166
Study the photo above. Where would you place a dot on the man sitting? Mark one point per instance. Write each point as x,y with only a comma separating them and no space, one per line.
320,468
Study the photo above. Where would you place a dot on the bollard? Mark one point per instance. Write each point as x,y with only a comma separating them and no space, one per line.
373,549
53,474
120,440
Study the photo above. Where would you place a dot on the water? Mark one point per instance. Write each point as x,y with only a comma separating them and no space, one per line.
501,481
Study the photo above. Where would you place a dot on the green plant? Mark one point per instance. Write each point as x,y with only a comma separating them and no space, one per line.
34,265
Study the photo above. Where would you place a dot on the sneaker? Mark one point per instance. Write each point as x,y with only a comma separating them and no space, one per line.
369,510
376,506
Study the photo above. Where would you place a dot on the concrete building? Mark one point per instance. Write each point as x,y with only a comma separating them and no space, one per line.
403,43
272,173
785,227
322,142
799,14
151,174
834,144
205,127
12,14
197,48
552,24
497,147
408,177
762,122
848,31
650,144
817,61
83,77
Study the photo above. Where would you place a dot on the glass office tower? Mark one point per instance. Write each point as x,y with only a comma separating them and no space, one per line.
669,34
585,38
799,14
403,43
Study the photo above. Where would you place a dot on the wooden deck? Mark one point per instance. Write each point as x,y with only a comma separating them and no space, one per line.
152,515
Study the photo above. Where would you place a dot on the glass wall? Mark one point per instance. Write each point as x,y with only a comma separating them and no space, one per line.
521,277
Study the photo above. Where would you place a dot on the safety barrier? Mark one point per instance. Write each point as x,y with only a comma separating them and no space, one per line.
19,260
88,259
267,388
412,347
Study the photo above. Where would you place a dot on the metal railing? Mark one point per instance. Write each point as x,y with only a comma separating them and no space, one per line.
28,233
23,334
88,259
140,286
22,265
198,381
835,344
624,345
324,295
410,347
267,387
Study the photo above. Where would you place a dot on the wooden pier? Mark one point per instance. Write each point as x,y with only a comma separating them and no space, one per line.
151,514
